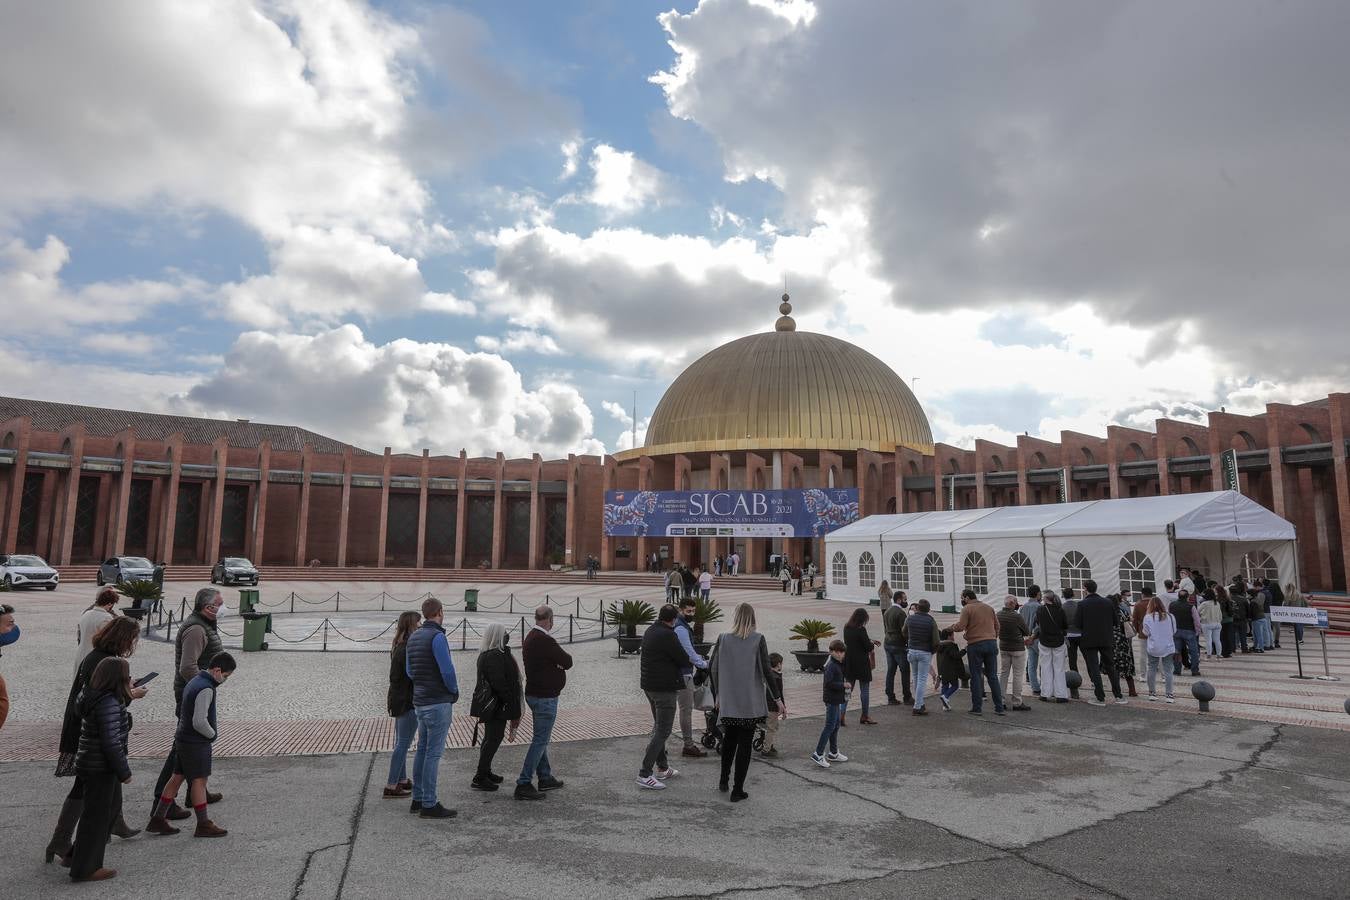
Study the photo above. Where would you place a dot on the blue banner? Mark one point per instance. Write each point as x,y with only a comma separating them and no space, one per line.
763,514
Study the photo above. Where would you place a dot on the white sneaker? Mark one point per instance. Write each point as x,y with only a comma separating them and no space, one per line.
819,760
1171,699
836,757
1152,698
663,774
652,782
1095,702
1121,701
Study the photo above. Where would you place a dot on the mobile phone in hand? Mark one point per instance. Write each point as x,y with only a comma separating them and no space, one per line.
145,679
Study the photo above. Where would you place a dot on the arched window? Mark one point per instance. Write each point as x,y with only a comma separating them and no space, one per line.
867,570
1259,564
1019,574
839,569
899,572
976,573
1074,570
1136,572
932,573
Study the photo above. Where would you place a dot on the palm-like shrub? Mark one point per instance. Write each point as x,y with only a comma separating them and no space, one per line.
813,631
629,614
140,591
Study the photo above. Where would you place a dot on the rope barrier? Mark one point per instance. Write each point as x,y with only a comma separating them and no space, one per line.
345,637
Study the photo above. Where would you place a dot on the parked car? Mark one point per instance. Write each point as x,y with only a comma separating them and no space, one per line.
125,568
22,570
234,570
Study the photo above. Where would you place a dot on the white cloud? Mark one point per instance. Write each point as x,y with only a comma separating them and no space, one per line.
36,300
571,151
119,343
621,182
519,340
118,386
404,394
625,418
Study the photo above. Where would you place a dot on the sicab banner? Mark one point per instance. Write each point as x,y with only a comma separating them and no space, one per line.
763,514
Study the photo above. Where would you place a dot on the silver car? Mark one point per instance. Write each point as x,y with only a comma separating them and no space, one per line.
234,570
125,568
23,570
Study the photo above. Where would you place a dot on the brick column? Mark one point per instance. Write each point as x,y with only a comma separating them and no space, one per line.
344,511
384,508
569,554
18,472
498,514
459,509
66,531
644,549
536,470
1340,413
221,451
423,484
1283,481
170,506
260,500
606,545
302,515
118,539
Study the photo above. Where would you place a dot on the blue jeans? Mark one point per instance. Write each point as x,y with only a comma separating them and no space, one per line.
543,713
1034,666
896,660
1186,639
433,724
982,656
949,689
865,692
1261,635
919,663
405,726
830,733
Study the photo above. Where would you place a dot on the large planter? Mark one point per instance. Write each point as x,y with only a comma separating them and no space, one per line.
556,567
811,660
630,644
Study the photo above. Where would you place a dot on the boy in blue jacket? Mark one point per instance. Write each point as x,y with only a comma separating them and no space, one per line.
835,695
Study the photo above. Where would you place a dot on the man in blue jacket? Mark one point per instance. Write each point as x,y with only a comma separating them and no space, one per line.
435,691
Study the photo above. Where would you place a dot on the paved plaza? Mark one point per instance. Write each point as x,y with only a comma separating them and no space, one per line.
1252,799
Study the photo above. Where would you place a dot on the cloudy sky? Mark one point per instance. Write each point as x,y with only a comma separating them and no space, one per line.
487,224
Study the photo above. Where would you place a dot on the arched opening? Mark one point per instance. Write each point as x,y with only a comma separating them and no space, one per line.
913,467
1188,447
1088,458
1134,451
890,506
721,479
1041,461
996,462
953,466
1314,435
1243,441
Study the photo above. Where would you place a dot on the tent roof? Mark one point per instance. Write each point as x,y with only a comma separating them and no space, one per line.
1216,516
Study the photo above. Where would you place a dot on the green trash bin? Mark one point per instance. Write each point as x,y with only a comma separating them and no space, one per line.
949,608
256,626
471,599
248,600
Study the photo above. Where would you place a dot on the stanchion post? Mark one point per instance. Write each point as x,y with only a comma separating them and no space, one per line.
292,601
463,633
338,607
1326,666
569,628
511,602
522,631
325,634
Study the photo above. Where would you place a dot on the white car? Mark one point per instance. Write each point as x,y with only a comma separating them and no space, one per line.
21,570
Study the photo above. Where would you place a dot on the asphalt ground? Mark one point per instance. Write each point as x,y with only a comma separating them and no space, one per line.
1064,801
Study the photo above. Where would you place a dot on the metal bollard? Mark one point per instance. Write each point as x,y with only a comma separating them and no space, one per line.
168,633
522,631
569,628
325,634
292,601
1204,692
463,633
511,603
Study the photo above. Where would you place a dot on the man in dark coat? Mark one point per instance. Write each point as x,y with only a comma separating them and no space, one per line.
1097,619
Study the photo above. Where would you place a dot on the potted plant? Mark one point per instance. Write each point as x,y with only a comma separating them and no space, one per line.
139,592
813,631
555,561
705,611
628,615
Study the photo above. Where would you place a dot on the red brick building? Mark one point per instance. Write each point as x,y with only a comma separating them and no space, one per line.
779,409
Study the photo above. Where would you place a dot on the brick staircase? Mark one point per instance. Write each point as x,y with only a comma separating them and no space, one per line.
1338,610
87,573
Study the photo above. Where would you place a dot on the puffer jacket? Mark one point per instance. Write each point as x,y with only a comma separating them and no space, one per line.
499,669
105,727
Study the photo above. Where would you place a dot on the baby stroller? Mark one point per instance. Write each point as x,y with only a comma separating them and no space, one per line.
712,733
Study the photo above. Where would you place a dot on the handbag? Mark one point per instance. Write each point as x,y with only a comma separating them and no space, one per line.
704,699
1129,630
484,703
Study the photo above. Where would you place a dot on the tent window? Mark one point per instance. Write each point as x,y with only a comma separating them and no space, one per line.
1019,574
839,569
1074,570
1136,572
976,573
899,572
1259,564
932,573
867,570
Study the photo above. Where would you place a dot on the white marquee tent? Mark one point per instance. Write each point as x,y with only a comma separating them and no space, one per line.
1122,544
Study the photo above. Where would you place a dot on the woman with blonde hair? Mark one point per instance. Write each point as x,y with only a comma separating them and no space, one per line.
102,611
885,595
740,674
496,701
1294,597
400,704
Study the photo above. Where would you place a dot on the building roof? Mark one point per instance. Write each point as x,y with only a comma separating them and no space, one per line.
787,390
48,416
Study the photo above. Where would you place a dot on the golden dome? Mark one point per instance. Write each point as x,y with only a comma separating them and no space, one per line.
786,390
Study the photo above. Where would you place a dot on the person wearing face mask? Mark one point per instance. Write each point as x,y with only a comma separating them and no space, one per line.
546,665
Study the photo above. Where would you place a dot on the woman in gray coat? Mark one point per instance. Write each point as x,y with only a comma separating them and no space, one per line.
740,670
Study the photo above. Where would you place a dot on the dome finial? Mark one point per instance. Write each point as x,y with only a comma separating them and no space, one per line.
785,321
